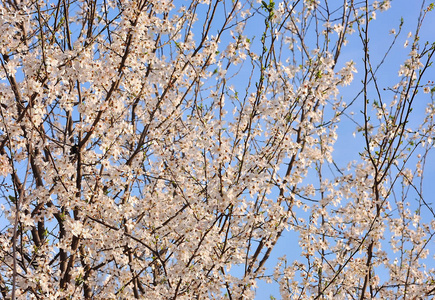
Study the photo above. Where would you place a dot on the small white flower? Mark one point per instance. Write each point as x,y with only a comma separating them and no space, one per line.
5,168
375,4
386,5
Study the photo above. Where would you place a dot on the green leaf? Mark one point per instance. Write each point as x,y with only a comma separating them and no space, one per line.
13,199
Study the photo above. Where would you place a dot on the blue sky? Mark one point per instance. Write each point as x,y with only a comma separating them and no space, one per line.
348,146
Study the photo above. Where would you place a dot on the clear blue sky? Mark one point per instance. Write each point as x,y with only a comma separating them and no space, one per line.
347,146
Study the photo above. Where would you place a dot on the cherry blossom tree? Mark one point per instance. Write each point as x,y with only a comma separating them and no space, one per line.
163,150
